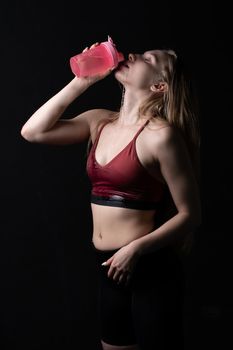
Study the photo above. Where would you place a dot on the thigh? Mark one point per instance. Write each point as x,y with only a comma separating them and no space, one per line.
157,301
114,306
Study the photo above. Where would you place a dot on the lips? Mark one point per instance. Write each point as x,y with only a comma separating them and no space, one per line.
123,64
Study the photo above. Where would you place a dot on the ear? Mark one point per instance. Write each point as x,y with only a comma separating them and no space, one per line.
159,87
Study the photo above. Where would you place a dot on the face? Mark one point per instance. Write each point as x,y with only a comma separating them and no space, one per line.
141,70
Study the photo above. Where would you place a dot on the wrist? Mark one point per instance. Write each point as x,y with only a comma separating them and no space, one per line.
136,247
79,84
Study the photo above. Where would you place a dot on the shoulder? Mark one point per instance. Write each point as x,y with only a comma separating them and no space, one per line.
162,133
165,140
98,117
169,135
95,115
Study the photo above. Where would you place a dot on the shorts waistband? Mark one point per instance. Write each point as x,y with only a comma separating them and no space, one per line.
104,250
103,255
106,253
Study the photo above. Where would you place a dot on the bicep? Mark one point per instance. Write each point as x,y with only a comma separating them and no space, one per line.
66,132
70,131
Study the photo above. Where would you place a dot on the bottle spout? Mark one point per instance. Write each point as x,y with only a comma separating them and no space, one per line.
110,40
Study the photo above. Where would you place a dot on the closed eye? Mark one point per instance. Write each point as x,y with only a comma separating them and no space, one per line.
149,59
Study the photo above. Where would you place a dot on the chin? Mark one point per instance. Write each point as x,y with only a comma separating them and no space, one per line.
119,76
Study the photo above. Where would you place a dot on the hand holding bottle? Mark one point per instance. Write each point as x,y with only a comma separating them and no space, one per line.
97,61
99,76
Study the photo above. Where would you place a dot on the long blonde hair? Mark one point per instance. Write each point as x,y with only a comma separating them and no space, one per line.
179,107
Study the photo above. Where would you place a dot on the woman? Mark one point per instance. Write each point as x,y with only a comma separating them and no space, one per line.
143,165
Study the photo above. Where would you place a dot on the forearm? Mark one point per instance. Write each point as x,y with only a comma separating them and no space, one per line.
166,234
48,114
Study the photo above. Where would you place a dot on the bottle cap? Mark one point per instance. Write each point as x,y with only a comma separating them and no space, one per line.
111,47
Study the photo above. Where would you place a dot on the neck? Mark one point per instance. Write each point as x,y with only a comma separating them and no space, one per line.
129,112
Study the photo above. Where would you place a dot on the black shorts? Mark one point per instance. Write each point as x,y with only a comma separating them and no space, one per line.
147,312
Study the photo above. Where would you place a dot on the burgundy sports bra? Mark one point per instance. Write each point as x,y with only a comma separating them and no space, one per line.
123,181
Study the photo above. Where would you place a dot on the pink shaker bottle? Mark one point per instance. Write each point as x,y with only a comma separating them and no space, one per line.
96,60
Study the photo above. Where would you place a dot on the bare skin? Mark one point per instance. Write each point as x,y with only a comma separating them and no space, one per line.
114,227
159,148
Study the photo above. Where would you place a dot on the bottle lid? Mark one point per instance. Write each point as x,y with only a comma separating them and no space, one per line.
111,47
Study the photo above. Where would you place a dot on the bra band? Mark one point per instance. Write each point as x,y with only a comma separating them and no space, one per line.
118,201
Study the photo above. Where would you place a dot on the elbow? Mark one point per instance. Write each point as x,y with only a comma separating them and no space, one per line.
196,219
27,135
23,133
192,218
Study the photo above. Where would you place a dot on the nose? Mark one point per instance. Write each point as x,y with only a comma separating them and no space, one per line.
131,57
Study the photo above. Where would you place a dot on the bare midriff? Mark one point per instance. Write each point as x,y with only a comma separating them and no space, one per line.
114,227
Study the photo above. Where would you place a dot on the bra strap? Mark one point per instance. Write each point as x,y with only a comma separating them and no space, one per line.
98,134
141,128
137,133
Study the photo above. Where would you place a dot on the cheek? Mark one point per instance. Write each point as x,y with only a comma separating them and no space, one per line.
144,78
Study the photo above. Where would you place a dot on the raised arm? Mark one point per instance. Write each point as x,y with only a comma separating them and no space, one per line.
46,125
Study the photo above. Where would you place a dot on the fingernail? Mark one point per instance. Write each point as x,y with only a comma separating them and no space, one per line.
104,263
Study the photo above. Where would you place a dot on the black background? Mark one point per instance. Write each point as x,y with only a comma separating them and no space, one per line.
47,276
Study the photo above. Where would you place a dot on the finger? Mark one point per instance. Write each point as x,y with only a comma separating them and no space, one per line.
128,279
95,44
110,271
116,275
121,279
107,262
86,48
110,70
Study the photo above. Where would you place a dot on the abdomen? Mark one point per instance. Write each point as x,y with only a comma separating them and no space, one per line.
114,227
